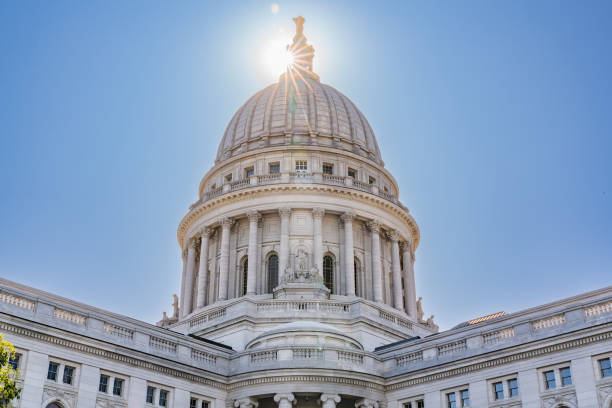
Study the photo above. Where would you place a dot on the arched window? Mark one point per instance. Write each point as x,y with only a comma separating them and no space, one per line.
245,275
272,272
54,405
357,277
328,272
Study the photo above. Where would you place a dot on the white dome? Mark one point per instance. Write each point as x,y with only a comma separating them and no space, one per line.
299,111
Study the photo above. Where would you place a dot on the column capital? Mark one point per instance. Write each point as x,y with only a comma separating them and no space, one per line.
248,402
373,225
253,215
366,403
193,242
284,211
287,396
226,222
205,232
329,400
318,212
406,246
347,217
394,235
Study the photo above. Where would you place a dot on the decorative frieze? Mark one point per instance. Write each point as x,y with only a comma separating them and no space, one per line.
69,316
18,301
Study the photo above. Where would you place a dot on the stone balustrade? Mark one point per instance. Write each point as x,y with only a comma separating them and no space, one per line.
297,177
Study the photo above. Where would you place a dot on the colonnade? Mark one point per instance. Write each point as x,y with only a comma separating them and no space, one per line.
288,400
399,248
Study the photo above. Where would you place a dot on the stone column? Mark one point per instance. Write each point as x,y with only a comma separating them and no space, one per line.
203,271
409,285
285,400
317,216
376,265
283,258
329,400
366,403
396,272
349,253
254,217
183,277
226,224
189,274
248,402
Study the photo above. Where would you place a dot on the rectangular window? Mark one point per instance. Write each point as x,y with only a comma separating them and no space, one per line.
204,404
150,394
52,372
103,386
420,404
549,380
274,168
249,172
513,387
163,398
465,398
371,180
68,375
450,399
301,165
352,173
408,405
498,390
566,376
193,403
14,361
604,366
117,387
328,168
213,186
228,178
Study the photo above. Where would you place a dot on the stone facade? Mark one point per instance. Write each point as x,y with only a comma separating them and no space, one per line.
297,288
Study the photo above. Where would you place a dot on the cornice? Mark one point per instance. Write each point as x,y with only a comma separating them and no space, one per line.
111,355
495,362
333,378
250,192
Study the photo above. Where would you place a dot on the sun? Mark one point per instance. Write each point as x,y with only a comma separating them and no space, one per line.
276,57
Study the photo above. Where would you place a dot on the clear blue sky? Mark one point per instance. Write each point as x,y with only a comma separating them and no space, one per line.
495,118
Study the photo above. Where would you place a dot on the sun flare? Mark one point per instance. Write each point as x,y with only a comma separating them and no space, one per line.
277,58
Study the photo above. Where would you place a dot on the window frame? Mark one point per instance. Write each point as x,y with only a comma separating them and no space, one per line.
70,376
498,391
563,378
105,391
329,167
166,395
249,172
602,371
152,395
121,388
57,369
350,170
301,166
276,166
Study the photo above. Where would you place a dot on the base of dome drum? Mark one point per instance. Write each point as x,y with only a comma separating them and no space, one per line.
301,291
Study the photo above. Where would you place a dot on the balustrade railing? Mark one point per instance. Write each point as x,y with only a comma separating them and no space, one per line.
203,357
69,316
452,348
498,336
118,331
350,357
17,301
598,309
262,356
307,353
297,177
408,359
162,345
309,306
547,322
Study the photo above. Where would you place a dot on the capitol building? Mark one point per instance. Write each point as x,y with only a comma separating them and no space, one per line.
298,290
